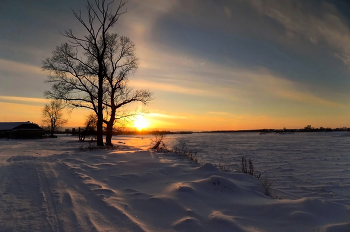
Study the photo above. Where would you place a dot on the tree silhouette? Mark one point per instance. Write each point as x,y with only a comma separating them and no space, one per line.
90,127
92,71
53,116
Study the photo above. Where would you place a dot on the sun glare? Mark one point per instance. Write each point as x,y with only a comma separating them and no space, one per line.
141,123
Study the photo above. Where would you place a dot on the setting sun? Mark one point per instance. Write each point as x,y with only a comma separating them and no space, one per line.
140,122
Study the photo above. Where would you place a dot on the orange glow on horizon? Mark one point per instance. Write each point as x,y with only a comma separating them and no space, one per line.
24,110
141,123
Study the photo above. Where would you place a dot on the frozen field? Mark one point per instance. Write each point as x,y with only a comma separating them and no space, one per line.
300,164
52,185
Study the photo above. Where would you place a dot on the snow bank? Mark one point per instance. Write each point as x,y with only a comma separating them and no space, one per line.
49,185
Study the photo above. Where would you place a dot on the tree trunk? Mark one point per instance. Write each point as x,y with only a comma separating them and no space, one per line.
109,134
99,130
99,109
110,128
51,129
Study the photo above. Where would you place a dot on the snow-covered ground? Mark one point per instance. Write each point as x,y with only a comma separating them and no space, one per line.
51,185
300,164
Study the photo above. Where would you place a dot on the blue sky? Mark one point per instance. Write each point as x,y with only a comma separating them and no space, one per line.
212,65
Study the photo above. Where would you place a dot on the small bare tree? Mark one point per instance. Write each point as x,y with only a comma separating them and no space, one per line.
158,141
91,122
90,127
91,71
53,116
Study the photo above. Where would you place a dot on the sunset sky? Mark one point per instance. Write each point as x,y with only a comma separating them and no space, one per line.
211,64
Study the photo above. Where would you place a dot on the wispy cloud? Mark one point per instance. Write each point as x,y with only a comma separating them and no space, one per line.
319,23
265,82
24,100
168,88
159,115
8,65
217,113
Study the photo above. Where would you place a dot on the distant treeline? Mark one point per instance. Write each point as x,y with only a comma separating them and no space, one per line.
75,131
150,132
308,128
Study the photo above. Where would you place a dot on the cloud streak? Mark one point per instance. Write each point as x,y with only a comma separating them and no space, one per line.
316,22
266,82
18,67
159,115
168,88
24,100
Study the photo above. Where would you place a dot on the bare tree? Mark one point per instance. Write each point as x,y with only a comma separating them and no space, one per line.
53,116
91,122
91,71
120,63
90,127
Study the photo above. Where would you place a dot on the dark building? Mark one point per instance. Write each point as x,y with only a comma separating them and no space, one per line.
20,130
